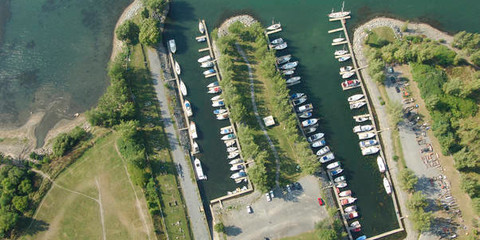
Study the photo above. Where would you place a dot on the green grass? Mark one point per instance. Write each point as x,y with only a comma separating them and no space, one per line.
380,36
304,236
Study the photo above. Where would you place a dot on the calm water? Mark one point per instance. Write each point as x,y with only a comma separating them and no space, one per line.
53,57
305,28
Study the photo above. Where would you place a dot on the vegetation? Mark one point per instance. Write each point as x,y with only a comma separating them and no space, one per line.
329,229
470,44
380,36
219,227
155,5
408,179
149,32
421,219
64,142
128,32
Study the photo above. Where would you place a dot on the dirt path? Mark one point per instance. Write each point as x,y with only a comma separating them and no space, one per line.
100,205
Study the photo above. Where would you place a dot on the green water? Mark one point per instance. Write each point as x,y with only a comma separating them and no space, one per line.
53,56
305,28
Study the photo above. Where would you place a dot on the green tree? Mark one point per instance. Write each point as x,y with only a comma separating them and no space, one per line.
128,32
395,110
25,187
470,186
149,32
155,5
219,227
417,201
20,203
421,220
408,179
475,58
8,219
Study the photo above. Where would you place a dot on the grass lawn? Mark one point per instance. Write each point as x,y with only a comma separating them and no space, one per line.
381,35
71,210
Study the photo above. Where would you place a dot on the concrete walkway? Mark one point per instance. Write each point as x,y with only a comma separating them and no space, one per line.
189,187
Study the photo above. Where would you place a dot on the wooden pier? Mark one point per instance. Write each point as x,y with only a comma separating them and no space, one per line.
202,49
274,31
342,213
339,43
335,30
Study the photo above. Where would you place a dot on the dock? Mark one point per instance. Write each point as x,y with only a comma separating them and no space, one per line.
274,31
339,43
202,49
342,213
335,30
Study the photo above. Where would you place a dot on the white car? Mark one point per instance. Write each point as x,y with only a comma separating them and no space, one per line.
269,199
249,209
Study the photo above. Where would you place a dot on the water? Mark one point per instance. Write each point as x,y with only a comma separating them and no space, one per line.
53,56
305,28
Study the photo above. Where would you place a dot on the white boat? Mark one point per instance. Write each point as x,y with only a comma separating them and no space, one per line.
188,108
236,161
193,130
347,200
183,88
226,130
296,96
370,150
357,105
229,143
323,151
219,110
315,137
201,27
386,184
277,41
207,64
280,46
348,75
340,179
319,143
341,184
288,72
345,193
305,115
293,80
274,26
231,149
366,135
367,143
228,137
222,116
337,40
355,97
333,165
339,14
218,104
351,215
172,46
340,52
204,59
213,84
201,39
214,90
209,71
238,175
362,128
344,58
336,171
236,167
309,122
299,101
305,108
381,164
233,154
360,119
327,157
310,130
199,170
283,59
346,69
217,98
178,70
195,148
355,224
349,209
350,83
289,65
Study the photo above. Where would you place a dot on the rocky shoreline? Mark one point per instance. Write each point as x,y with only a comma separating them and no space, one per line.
247,20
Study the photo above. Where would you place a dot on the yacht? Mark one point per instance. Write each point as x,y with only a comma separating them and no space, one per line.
357,105
274,26
199,170
204,59
207,64
381,164
365,135
370,150
201,27
239,174
386,184
339,14
315,137
323,151
319,143
289,65
226,130
178,70
305,108
368,143
188,108
362,128
172,46
309,122
193,130
183,88
327,157
355,97
280,46
283,59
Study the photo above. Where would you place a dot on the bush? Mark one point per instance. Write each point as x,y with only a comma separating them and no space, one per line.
408,179
475,58
149,32
128,32
65,142
155,5
470,186
219,227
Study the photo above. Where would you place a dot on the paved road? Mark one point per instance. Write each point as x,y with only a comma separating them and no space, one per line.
190,192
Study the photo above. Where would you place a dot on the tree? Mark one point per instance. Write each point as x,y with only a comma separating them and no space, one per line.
149,32
475,58
470,186
219,227
128,32
20,203
417,201
8,219
395,110
155,5
408,179
421,220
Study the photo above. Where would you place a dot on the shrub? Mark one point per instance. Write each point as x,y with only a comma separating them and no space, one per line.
219,227
408,179
65,142
149,32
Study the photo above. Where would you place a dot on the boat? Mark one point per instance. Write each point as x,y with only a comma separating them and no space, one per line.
333,165
381,164
350,83
283,59
236,161
309,122
289,65
207,64
228,137
204,59
370,150
233,154
277,41
345,193
340,52
178,70
219,110
348,75
201,39
213,84
355,229
209,71
274,26
236,167
193,130
315,137
238,175
323,151
214,90
340,179
367,143
305,115
327,157
355,224
305,108
319,143
346,69
199,170
336,171
231,149
229,143
351,215
299,101
347,200
183,88
349,209
172,46
344,58
222,116
362,237
362,128
341,184
296,96
339,14
216,98
357,105
360,119
195,148
365,135
280,46
293,80
226,130
288,72
387,186
201,27
337,40
188,108
355,97
310,130
218,104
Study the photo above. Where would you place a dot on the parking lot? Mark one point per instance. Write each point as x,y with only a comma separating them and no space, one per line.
288,214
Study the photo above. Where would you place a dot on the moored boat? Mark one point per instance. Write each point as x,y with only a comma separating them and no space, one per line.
367,143
231,149
229,143
236,167
365,135
348,75
362,128
293,80
345,193
288,72
238,175
381,164
350,83
339,179
283,59
370,150
207,64
341,184
336,171
280,46
213,84
363,237
387,186
216,98
236,161
323,151
344,58
199,170
233,154
360,119
277,41
296,95
219,110
289,65
355,97
333,165
337,40
201,39
347,200
172,46
226,130
355,224
219,104
274,26
195,148
350,208
340,52
310,130
204,59
209,71
315,137
222,116
183,88
319,143
193,130
299,101
188,108
355,229
215,90
357,105
346,69
305,115
351,215
178,70
228,137
201,27
327,157
339,14
309,122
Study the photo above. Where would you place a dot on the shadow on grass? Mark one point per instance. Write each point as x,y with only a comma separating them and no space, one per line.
30,227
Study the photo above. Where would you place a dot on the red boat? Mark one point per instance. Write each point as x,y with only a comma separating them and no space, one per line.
351,215
356,229
350,83
347,200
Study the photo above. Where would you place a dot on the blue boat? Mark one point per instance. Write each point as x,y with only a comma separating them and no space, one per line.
362,237
219,111
336,171
209,71
296,95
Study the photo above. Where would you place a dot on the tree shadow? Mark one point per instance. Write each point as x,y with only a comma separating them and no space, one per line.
233,230
29,226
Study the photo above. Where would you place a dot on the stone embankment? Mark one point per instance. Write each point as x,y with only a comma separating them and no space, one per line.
245,19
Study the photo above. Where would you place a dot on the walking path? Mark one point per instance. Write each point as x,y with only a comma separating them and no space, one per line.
189,187
255,110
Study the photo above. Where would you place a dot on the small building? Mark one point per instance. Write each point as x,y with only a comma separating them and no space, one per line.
269,121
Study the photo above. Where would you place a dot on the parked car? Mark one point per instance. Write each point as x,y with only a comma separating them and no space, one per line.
271,194
269,199
249,209
321,202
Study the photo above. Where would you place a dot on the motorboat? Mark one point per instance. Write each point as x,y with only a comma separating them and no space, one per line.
226,130
283,59
193,130
305,108
216,98
208,64
355,229
178,70
229,143
201,39
274,26
289,65
310,130
293,80
213,84
233,154
347,200
381,164
215,90
188,108
218,104
299,101
370,150
228,137
344,58
340,52
387,186
333,165
315,137
360,119
348,75
339,14
349,209
341,184
336,171
362,128
231,149
209,71
327,157
236,161
296,96
363,237
357,105
365,135
355,224
219,111
305,115
340,179
323,151
172,46
280,46
222,116
368,143
355,97
345,193
236,167
183,88
319,143
204,59
346,69
195,148
288,72
337,40
201,27
350,83
351,215
199,170
309,122
289,84
238,175
277,41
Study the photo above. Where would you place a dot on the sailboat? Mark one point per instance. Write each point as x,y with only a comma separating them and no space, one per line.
201,28
193,130
339,14
172,45
183,88
178,70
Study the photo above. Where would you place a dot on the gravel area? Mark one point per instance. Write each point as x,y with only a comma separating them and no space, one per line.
245,19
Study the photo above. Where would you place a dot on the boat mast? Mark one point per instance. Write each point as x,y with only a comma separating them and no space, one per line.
343,5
